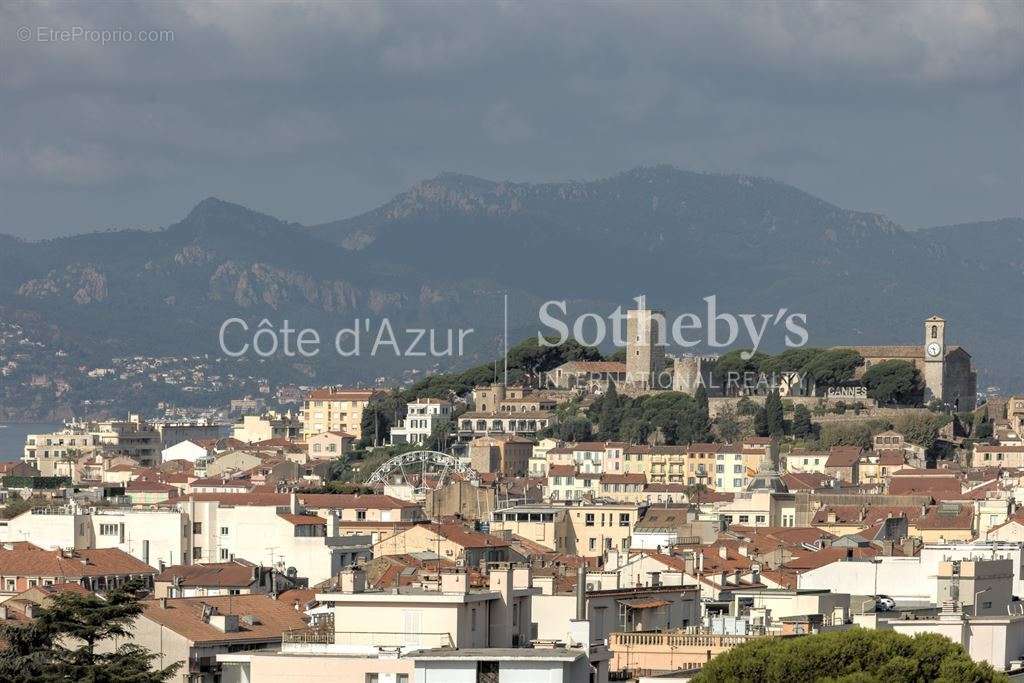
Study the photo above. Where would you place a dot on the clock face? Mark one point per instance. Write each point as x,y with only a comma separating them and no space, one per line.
933,349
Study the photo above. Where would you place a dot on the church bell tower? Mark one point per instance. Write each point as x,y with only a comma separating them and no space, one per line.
934,357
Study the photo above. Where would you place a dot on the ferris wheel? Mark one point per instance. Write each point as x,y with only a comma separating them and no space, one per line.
421,471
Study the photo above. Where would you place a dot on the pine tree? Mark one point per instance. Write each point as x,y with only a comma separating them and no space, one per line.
609,417
802,427
775,415
60,643
761,422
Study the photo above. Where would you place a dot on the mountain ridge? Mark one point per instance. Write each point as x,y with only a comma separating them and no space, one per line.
445,253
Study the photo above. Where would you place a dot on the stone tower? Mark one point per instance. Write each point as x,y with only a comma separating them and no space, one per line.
645,348
934,358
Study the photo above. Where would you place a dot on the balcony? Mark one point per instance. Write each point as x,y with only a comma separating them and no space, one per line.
360,642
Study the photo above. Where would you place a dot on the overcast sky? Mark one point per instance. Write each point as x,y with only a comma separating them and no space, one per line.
319,111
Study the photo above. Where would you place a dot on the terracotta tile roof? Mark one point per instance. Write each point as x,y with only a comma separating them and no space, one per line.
868,516
561,471
631,478
467,538
221,574
891,458
936,487
947,516
302,519
843,456
805,481
815,559
340,394
81,563
184,616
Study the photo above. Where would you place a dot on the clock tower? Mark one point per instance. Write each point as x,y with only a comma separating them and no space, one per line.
934,357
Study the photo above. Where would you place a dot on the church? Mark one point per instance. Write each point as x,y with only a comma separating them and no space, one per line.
947,370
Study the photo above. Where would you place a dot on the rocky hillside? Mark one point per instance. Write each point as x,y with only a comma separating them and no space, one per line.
446,251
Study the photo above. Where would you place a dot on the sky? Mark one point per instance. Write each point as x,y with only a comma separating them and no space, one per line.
316,111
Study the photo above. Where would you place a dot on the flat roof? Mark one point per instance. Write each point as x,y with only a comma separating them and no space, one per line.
499,653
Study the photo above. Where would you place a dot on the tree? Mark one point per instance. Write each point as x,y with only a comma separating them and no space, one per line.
894,382
761,422
608,410
833,367
802,427
855,434
921,429
60,644
853,655
379,416
728,427
775,415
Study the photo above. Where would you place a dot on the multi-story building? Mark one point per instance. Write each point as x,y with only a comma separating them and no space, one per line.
444,631
268,426
422,416
134,438
508,455
335,409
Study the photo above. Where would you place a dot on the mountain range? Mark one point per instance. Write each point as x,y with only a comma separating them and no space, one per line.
446,252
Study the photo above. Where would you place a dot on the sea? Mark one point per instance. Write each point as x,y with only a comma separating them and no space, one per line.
12,436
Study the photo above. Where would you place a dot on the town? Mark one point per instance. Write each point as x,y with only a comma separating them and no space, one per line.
561,514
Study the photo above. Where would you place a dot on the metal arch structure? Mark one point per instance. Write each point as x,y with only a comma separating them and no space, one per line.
422,470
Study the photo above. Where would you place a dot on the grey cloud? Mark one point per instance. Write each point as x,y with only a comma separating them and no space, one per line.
317,110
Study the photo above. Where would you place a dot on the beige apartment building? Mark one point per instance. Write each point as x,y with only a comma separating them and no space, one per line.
335,410
134,438
504,454
271,425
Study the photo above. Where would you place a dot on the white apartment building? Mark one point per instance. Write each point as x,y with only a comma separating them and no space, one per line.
910,580
446,633
421,417
154,536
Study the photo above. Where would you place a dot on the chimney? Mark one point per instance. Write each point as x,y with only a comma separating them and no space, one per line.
581,591
546,584
723,552
352,580
293,503
3,613
521,577
332,524
455,583
226,623
30,610
163,603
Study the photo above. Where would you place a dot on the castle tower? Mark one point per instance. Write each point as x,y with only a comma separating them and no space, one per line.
645,348
934,358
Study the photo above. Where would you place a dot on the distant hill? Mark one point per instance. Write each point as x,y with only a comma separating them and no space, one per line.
446,251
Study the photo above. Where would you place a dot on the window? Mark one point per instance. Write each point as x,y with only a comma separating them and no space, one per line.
759,519
590,519
9,584
744,519
197,553
623,519
372,678
197,527
224,555
108,530
737,469
223,531
737,483
361,515
592,544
